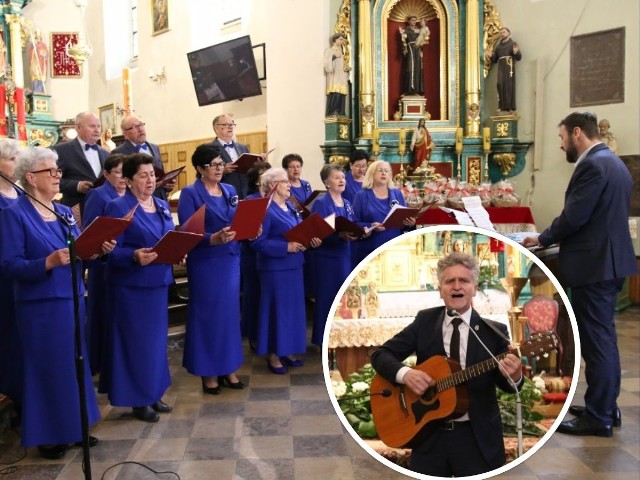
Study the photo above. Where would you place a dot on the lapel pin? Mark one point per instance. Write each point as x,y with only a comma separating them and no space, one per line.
476,328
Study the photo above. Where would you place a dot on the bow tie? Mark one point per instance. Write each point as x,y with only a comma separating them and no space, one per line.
87,146
141,147
228,145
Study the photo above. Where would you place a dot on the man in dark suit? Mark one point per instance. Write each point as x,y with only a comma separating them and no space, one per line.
223,126
135,135
595,256
81,160
472,443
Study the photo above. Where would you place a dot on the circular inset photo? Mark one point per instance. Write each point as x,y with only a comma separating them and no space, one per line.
452,351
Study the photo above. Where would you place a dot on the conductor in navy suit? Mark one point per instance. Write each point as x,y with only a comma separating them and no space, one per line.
135,141
230,150
595,255
472,443
81,160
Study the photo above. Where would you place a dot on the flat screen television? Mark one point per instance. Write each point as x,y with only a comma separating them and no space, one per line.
223,72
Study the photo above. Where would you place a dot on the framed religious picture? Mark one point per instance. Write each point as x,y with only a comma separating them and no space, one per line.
159,16
107,116
62,65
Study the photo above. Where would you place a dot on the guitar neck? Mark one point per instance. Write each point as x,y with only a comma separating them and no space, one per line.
473,371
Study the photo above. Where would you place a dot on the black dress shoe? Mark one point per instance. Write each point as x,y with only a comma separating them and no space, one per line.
224,381
52,452
146,414
93,441
583,426
210,390
161,407
616,417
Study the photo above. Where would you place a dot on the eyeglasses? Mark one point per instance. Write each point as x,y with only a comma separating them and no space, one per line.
282,181
214,165
138,125
52,171
226,125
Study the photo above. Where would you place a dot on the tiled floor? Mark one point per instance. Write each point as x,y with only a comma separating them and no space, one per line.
284,427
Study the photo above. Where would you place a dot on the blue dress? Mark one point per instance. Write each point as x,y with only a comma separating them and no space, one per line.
213,342
369,209
10,350
250,287
137,368
45,318
282,321
334,257
351,188
94,206
301,194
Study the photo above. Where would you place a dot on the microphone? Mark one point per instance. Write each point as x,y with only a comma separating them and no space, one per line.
385,393
454,313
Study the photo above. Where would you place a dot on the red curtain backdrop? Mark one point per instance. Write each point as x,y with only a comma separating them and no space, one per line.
430,59
63,65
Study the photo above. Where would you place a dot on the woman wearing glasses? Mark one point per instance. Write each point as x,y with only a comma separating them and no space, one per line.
213,343
372,205
282,326
34,252
94,206
136,373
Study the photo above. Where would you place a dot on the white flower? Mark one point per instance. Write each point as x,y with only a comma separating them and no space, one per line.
69,219
360,387
539,383
410,361
339,388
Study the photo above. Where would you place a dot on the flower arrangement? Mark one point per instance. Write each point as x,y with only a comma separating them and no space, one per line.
529,395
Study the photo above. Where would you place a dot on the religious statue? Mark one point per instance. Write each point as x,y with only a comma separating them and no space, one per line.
39,58
606,136
421,145
414,36
505,54
371,301
337,75
3,55
105,140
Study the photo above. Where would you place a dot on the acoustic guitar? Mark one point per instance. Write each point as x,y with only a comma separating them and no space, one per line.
404,419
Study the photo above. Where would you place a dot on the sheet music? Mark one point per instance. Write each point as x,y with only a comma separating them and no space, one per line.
479,215
462,218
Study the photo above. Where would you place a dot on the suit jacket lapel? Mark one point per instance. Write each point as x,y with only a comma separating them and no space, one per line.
474,349
39,227
83,163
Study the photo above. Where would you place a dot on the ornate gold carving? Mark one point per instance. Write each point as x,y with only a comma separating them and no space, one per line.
506,161
492,27
40,137
473,120
341,160
343,26
412,8
474,170
343,132
502,129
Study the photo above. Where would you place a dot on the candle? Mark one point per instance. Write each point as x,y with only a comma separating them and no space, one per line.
402,138
376,137
486,139
126,91
21,119
459,140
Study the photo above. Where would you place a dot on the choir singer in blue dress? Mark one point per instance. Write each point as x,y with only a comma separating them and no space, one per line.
372,205
34,252
333,257
213,342
137,371
282,326
355,176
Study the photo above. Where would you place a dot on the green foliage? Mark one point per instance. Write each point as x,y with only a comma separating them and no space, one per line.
358,410
529,394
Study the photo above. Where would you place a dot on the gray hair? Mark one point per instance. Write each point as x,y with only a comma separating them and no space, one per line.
9,148
82,116
328,169
29,160
459,258
269,177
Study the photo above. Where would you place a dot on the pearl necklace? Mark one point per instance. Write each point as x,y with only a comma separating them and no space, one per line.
147,204
47,215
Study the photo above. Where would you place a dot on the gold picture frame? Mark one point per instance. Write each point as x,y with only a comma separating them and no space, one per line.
107,116
159,16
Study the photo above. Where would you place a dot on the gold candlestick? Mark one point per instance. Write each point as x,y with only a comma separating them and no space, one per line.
486,147
513,286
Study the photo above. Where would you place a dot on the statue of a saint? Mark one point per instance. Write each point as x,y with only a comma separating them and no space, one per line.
506,53
421,145
39,58
414,36
337,74
3,55
607,137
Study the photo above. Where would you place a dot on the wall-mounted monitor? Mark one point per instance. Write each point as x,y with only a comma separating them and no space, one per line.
223,72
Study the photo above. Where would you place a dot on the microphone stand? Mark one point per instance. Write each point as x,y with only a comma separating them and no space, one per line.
511,382
384,393
79,359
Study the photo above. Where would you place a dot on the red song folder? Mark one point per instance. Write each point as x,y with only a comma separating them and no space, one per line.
312,226
343,224
100,230
195,223
245,161
163,179
248,217
175,244
399,214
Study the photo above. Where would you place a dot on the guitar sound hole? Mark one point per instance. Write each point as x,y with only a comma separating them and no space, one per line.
429,395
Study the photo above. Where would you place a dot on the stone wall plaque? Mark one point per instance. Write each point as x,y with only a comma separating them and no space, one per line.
597,68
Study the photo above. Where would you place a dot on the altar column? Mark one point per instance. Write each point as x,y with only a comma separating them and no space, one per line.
472,69
365,59
17,69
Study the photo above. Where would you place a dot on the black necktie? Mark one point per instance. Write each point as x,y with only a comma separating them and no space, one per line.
454,346
87,146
